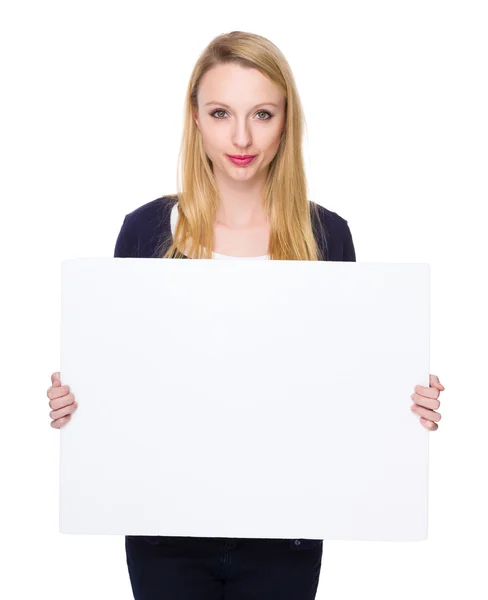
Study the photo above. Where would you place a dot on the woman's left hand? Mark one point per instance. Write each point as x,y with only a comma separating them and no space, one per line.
426,402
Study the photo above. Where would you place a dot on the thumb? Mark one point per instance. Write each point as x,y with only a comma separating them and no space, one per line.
56,379
434,382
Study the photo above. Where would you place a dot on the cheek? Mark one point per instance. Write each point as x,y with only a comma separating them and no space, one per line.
273,138
214,140
271,145
210,144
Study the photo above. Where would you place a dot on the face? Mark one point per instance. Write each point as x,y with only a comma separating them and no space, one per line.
240,112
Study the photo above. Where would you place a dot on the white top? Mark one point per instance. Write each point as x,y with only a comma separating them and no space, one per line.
173,221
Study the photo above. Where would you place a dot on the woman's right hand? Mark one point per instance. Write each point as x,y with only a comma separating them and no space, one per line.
61,401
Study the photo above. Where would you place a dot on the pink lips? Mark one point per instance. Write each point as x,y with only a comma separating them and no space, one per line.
241,159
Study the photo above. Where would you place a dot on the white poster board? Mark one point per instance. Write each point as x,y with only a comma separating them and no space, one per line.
259,399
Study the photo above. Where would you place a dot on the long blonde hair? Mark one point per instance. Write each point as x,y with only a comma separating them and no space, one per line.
284,195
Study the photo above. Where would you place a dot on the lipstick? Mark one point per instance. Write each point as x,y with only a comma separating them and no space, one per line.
241,159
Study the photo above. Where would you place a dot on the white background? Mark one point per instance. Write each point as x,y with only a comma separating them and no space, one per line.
395,97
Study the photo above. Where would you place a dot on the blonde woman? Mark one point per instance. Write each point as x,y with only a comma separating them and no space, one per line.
243,196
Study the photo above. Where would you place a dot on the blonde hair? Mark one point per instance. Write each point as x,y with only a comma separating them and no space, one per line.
284,195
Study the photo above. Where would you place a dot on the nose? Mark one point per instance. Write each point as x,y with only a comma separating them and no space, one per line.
241,136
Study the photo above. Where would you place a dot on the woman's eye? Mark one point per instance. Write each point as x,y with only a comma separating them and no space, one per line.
261,112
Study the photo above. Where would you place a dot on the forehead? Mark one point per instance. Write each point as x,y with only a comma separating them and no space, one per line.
237,86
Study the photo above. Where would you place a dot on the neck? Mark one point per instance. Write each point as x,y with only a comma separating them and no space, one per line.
240,203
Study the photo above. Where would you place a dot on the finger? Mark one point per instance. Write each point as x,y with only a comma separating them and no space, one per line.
65,410
60,422
430,415
433,403
62,401
53,393
429,424
56,379
434,382
427,392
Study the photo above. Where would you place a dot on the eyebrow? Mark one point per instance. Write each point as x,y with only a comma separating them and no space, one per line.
227,106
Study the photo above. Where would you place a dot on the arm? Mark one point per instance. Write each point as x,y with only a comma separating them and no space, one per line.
126,245
348,251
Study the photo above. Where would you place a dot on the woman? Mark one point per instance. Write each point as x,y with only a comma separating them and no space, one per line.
241,102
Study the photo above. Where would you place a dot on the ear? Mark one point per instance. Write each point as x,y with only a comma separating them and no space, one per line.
195,117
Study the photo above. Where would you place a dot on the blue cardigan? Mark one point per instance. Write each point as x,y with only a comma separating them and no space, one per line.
146,233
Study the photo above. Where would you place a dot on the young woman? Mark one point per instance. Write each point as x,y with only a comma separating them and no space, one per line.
243,197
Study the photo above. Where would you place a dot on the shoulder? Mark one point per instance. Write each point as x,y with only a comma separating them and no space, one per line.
151,213
328,218
144,227
331,231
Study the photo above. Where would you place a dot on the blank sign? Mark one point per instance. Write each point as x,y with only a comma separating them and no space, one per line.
259,399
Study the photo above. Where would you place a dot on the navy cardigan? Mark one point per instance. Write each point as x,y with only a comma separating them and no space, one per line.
146,233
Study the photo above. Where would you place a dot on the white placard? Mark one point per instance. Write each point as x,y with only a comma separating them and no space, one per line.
260,399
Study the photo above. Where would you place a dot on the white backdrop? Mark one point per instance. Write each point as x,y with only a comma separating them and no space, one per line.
91,116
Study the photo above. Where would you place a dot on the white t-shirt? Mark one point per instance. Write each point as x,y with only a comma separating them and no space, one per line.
173,221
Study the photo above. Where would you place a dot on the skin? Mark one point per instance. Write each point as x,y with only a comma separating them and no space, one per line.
426,402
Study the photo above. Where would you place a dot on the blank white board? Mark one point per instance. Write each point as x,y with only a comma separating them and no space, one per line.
254,399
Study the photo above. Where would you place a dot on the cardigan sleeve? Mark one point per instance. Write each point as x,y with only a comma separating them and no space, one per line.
348,251
126,245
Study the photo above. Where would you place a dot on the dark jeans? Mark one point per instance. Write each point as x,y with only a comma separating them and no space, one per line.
202,568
